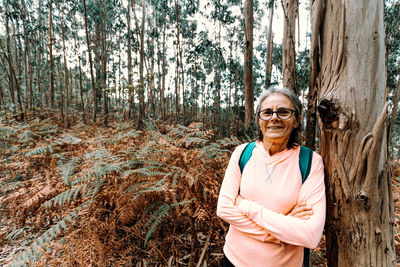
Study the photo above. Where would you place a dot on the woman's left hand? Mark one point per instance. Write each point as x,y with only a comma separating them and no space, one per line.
302,211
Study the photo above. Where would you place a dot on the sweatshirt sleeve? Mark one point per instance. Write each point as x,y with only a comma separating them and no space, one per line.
226,209
289,229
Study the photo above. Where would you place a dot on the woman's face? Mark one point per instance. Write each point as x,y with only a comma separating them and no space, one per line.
276,130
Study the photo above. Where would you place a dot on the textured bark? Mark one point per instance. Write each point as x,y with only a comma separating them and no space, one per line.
39,56
11,84
317,10
90,64
129,52
248,63
268,60
81,92
288,45
351,84
177,111
141,63
52,95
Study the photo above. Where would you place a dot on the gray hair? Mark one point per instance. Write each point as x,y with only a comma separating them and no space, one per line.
294,136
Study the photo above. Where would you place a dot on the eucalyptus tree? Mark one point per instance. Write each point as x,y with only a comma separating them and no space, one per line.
268,52
288,42
351,93
248,62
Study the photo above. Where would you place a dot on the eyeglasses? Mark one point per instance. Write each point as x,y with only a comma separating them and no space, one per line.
281,113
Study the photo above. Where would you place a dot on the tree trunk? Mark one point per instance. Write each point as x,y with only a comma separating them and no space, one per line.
316,20
16,74
142,107
163,67
288,45
66,81
39,57
90,64
129,52
81,92
11,84
103,27
52,95
177,63
248,63
268,60
351,86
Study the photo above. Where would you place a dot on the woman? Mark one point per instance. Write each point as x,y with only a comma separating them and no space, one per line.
272,215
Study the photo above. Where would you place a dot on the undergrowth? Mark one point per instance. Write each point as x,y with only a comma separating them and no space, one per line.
90,196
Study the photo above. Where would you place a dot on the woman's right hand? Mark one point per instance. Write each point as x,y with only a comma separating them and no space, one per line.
302,211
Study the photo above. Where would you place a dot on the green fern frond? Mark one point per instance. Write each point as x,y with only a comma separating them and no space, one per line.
26,136
195,141
146,171
40,150
14,234
32,253
156,219
157,187
68,170
63,198
130,134
68,139
158,216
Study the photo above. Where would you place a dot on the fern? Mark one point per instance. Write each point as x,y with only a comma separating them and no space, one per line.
64,198
68,169
195,141
40,150
14,234
156,219
158,216
157,187
68,139
130,134
32,253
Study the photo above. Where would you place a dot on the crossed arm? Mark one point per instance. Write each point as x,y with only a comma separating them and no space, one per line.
302,226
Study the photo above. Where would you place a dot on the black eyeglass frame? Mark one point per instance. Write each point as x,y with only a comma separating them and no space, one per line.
277,114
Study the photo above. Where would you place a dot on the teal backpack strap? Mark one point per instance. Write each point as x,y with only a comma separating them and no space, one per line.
246,154
305,159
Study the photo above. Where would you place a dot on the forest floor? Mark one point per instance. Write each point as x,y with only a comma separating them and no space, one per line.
93,196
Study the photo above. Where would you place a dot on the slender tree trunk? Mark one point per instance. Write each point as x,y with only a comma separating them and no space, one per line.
17,74
317,12
177,111
129,52
288,45
11,84
81,92
66,81
163,67
39,57
102,36
52,94
248,63
142,107
351,87
90,64
268,60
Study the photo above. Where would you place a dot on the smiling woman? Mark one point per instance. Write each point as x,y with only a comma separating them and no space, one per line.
272,211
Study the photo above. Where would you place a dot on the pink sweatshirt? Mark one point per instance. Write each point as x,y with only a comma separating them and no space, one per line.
260,234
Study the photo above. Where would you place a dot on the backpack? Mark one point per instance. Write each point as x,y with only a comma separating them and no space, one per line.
305,159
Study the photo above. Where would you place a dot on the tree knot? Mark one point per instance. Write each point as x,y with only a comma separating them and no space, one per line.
329,114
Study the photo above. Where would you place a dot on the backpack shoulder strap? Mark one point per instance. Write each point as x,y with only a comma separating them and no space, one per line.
305,159
246,154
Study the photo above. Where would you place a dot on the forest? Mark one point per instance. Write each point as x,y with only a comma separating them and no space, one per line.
118,119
